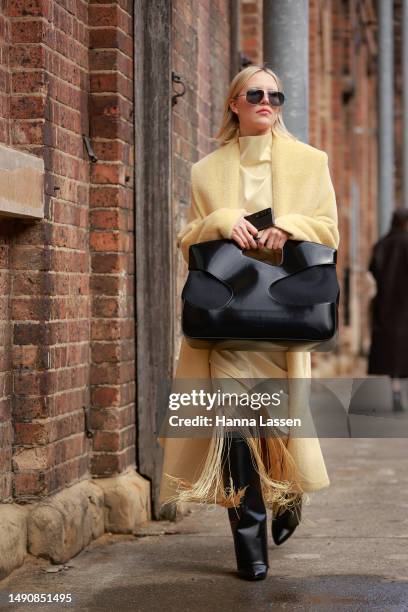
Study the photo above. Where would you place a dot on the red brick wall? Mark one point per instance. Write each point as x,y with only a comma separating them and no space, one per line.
48,260
354,157
251,30
4,79
111,237
67,319
6,429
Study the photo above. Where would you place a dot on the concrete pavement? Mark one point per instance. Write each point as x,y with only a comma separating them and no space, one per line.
349,553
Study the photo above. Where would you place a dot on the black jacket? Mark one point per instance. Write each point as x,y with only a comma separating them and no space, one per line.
389,307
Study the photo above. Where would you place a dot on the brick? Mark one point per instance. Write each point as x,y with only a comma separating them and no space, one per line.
28,31
34,383
29,82
105,330
31,433
25,107
30,408
107,351
108,173
106,464
111,38
105,219
113,374
107,441
5,410
100,15
30,258
30,333
30,357
105,397
27,132
24,8
109,463
108,262
30,309
105,196
106,285
104,241
28,485
25,459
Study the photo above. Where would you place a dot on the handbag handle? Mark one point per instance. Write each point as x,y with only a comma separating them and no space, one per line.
218,256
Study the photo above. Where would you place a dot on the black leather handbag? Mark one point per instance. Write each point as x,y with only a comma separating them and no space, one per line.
234,300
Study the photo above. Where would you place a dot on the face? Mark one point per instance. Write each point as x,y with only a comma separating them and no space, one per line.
255,118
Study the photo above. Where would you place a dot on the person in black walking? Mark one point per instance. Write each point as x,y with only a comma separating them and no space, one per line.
388,353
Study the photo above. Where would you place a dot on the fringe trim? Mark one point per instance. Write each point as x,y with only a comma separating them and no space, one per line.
279,475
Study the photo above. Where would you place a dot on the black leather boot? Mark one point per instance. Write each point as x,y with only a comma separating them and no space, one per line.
285,524
248,520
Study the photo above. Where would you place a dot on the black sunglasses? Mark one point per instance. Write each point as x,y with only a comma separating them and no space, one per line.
255,96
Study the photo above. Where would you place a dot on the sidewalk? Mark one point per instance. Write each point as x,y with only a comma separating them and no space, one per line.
349,553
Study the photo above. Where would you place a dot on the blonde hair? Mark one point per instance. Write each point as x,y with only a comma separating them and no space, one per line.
230,123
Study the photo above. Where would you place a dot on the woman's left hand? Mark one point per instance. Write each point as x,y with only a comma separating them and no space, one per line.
272,238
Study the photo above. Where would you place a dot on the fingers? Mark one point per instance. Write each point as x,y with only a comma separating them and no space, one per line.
272,238
250,231
243,233
251,228
265,238
239,238
274,241
244,238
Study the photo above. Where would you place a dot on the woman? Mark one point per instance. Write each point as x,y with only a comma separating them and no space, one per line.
389,322
258,164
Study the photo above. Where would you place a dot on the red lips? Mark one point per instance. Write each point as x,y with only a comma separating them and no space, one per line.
264,110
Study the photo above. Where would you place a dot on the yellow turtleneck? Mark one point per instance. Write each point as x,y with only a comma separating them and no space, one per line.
255,171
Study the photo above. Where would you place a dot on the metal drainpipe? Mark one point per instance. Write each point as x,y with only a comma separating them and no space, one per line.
286,49
386,116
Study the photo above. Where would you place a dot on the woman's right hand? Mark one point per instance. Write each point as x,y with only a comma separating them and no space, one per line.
243,232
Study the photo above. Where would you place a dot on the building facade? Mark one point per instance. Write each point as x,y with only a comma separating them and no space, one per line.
104,107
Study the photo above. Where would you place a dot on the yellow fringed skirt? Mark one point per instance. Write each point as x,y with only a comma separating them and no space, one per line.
231,372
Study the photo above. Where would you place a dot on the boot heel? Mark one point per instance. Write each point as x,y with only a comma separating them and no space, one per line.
248,521
285,524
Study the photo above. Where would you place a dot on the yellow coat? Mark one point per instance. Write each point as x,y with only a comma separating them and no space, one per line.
304,205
